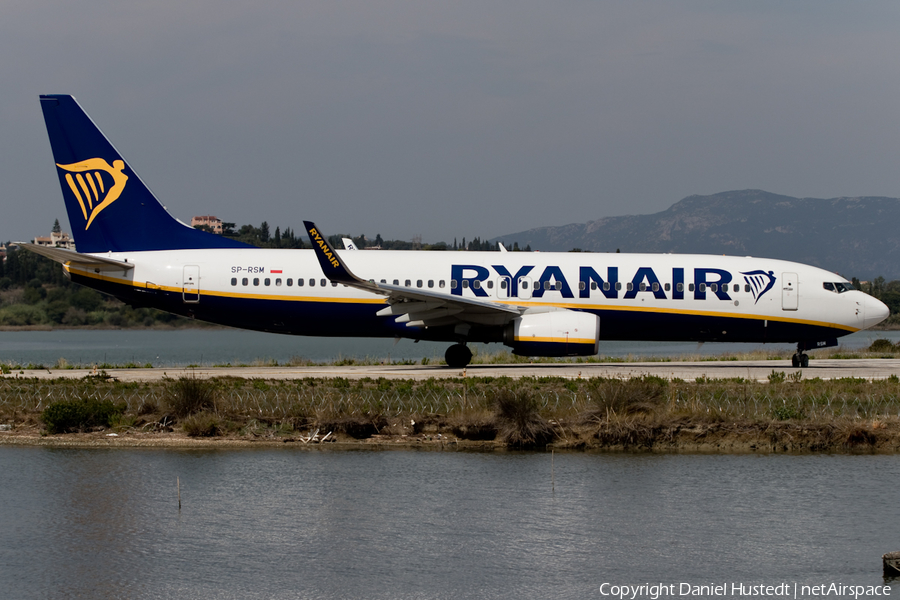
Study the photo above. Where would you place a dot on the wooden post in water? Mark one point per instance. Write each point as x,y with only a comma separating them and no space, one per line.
178,483
552,478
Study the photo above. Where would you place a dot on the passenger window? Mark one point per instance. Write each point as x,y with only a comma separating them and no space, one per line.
334,284
234,281
593,285
277,281
619,286
441,283
267,281
431,283
502,284
643,287
668,287
546,285
702,287
465,283
418,283
244,281
312,283
655,287
559,285
490,285
290,282
476,284
746,287
408,283
453,284
690,287
714,287
606,286
396,282
524,285
630,287
581,285
323,282
256,281
680,287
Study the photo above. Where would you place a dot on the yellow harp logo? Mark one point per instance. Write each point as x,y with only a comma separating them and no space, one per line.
93,193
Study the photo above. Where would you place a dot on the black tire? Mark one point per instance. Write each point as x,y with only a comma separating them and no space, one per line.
795,361
458,356
804,361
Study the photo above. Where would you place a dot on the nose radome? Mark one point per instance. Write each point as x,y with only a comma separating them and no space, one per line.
875,311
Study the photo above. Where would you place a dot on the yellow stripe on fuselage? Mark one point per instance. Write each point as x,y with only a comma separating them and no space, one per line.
556,340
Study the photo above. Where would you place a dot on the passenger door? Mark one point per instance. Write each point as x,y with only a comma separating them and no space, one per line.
190,290
790,291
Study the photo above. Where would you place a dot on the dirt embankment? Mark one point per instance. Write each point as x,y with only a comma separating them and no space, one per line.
640,414
683,436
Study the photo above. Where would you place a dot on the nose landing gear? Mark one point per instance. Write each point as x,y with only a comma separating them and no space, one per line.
800,359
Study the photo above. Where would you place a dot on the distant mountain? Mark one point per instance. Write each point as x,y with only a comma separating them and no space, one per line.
856,237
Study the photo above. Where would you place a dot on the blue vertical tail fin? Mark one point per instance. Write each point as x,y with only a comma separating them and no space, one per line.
109,207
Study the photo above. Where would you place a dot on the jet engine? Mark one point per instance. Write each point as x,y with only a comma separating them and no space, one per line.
554,333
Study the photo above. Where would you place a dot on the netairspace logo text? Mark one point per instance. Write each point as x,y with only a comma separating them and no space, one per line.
655,591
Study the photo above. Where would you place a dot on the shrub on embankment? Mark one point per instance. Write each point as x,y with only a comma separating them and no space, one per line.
84,414
787,413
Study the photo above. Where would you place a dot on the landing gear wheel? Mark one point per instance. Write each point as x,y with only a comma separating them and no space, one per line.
800,360
458,356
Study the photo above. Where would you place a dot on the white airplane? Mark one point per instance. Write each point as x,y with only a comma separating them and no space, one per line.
539,304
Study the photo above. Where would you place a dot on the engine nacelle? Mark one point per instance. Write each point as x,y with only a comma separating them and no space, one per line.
554,333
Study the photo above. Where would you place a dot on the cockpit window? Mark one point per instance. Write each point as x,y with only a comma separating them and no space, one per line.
838,287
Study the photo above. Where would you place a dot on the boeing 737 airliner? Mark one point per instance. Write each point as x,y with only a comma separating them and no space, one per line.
539,304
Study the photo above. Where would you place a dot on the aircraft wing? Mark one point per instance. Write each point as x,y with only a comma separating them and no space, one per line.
74,259
415,307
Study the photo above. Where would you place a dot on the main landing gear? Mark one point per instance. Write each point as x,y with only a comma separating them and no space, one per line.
799,359
458,356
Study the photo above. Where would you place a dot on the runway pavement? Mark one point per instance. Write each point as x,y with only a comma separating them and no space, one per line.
881,368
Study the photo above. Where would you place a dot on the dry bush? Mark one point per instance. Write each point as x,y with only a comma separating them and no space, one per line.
189,395
203,424
639,396
519,422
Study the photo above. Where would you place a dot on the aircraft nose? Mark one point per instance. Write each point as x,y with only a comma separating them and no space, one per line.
875,311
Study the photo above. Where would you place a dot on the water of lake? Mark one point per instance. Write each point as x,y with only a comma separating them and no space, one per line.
295,523
207,347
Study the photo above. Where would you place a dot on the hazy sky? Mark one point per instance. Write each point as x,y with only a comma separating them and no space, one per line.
454,118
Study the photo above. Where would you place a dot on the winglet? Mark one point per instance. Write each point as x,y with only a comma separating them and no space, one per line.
331,264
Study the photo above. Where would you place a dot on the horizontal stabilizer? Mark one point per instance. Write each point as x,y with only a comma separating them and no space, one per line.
74,259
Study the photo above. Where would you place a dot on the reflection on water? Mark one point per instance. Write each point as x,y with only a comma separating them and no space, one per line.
229,346
288,523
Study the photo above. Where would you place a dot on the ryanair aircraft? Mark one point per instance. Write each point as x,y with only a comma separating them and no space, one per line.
539,304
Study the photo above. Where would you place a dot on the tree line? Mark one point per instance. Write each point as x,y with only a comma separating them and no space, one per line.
263,237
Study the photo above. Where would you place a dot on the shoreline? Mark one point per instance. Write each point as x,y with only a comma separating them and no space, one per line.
700,438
